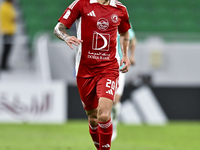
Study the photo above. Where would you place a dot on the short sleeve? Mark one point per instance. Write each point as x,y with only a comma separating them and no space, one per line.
71,14
124,24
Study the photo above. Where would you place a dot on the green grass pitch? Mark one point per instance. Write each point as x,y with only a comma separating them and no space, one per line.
74,135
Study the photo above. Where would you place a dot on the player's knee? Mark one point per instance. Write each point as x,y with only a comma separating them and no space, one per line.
92,120
92,116
103,117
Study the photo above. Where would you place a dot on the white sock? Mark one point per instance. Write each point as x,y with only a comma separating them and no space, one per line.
116,111
115,116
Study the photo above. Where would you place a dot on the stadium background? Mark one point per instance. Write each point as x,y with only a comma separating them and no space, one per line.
41,87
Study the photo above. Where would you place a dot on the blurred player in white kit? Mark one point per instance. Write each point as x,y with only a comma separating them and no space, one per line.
117,104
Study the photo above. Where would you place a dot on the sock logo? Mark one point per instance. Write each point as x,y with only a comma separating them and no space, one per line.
106,146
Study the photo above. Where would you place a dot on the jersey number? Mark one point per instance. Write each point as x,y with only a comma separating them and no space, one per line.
110,84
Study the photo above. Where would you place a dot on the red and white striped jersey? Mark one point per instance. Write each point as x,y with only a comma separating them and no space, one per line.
97,26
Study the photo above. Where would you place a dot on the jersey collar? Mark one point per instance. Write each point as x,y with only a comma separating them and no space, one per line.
112,2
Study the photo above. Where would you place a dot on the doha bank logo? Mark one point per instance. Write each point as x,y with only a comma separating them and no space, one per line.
102,24
101,41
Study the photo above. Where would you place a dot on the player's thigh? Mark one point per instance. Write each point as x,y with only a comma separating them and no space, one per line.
120,89
87,91
105,106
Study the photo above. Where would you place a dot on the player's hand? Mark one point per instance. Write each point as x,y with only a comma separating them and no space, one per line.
126,63
132,60
72,40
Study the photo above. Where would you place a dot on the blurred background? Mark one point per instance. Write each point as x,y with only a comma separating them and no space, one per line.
164,84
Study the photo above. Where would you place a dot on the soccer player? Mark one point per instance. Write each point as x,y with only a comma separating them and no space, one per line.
117,104
97,59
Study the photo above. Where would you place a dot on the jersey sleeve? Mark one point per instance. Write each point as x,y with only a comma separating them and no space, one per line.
71,14
124,24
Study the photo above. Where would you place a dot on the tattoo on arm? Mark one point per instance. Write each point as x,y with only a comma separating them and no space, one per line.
126,39
60,31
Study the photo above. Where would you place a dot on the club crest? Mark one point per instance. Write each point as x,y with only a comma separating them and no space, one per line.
114,18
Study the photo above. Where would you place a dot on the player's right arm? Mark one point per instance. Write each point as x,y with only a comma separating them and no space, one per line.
72,13
61,33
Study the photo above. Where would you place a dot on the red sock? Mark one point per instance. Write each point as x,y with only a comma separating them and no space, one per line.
95,135
105,134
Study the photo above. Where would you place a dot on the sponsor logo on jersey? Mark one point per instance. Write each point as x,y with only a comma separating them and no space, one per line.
106,146
114,18
91,14
101,41
102,24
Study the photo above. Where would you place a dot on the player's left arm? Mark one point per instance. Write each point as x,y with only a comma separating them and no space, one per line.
124,42
133,43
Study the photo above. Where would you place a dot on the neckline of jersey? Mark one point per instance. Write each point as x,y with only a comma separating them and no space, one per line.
104,4
112,3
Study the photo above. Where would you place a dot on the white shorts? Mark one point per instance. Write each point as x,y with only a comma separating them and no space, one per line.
121,84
